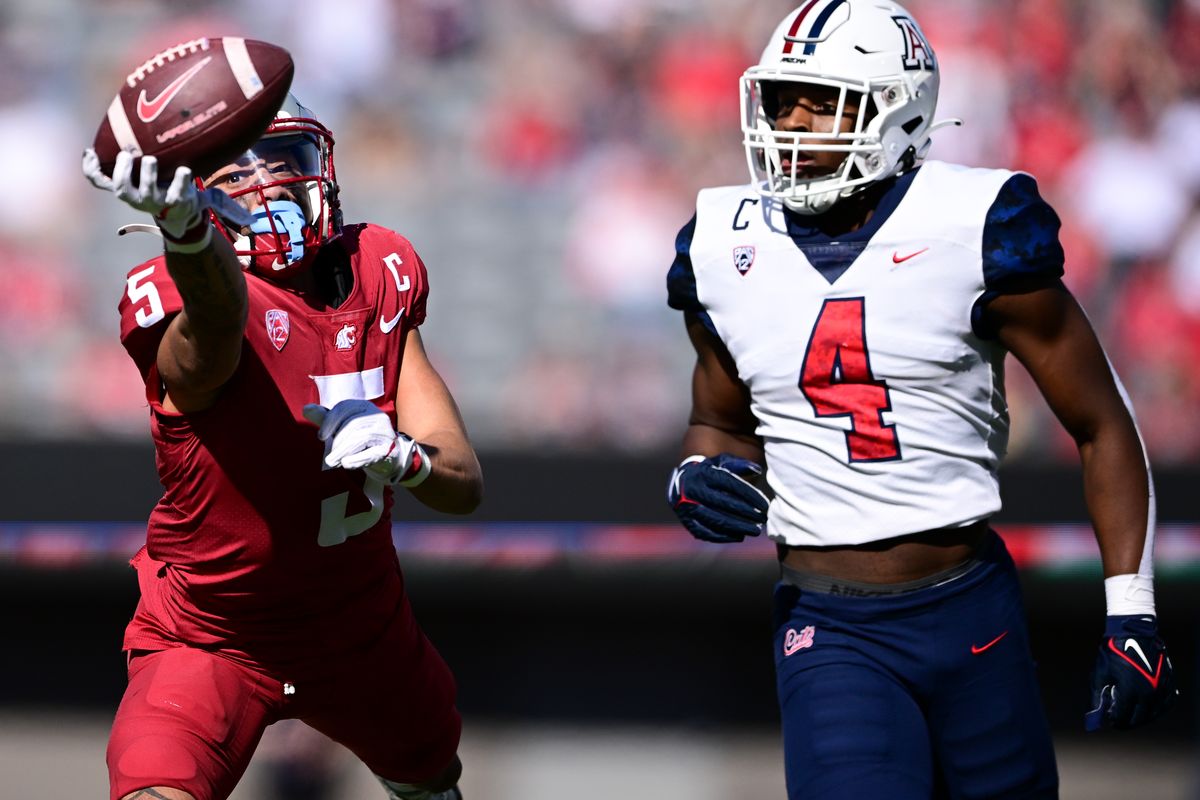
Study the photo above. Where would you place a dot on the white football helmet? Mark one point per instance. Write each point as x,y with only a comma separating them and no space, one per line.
872,48
287,180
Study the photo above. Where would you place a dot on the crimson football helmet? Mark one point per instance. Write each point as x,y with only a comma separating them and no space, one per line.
871,53
287,180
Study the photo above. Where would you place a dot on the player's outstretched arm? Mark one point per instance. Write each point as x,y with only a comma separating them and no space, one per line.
713,490
1050,334
426,410
203,343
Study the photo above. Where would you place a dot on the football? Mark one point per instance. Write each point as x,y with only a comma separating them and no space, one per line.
200,104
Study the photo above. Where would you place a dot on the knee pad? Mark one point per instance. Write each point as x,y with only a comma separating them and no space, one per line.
152,761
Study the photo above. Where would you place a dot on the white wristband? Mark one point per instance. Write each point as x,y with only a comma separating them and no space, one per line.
422,471
173,246
1127,595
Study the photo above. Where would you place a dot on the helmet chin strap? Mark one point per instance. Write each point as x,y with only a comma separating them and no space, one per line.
285,215
818,200
815,203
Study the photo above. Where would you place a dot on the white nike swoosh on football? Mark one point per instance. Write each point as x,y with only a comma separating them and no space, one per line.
386,325
1137,648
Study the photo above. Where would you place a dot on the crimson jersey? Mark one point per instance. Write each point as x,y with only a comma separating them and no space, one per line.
257,549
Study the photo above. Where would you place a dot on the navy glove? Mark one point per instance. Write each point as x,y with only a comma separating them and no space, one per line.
714,500
1132,682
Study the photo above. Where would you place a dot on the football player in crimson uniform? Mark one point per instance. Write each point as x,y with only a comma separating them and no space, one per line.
851,309
290,397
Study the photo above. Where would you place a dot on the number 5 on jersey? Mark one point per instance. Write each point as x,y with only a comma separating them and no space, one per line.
836,379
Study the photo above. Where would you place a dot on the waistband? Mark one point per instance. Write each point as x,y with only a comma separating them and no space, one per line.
828,584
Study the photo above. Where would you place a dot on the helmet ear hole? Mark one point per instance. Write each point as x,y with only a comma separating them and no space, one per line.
871,111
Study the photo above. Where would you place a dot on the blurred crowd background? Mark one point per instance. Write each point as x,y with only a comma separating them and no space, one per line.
542,154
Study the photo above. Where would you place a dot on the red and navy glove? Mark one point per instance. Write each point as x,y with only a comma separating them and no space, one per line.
1132,682
715,499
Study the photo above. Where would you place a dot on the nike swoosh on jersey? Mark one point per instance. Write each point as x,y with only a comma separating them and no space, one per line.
898,259
977,649
386,325
149,110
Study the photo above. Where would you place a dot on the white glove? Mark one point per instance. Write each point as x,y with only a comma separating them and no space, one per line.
357,434
178,208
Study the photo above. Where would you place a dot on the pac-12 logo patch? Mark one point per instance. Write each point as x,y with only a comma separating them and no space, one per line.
794,641
278,327
743,258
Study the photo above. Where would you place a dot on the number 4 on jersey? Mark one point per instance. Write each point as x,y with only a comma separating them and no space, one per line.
836,378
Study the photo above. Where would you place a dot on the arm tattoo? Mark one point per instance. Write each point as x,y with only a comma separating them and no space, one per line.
147,793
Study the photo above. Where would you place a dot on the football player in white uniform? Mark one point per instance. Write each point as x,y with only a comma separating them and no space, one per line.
851,309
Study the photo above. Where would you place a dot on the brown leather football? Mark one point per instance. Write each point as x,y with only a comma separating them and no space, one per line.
200,104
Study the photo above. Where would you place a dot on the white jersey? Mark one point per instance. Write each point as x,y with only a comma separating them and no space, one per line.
878,393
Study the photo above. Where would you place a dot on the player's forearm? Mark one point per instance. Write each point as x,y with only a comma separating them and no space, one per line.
455,482
711,438
1116,488
213,320
213,289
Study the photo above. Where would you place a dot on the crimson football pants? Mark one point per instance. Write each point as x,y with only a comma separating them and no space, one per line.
930,693
191,719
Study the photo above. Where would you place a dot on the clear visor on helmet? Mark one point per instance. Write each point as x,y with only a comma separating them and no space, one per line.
280,180
277,168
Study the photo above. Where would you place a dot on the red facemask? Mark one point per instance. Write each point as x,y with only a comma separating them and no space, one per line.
286,180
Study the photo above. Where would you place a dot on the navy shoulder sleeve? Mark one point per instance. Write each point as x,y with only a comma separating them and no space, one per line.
1020,237
1020,245
681,278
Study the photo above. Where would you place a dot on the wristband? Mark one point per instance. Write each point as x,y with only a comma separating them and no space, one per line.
1127,595
423,467
172,245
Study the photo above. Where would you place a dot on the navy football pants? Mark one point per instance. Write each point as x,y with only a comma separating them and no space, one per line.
927,694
